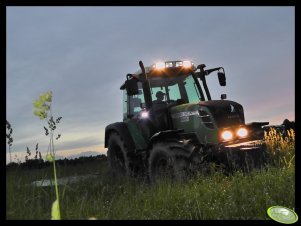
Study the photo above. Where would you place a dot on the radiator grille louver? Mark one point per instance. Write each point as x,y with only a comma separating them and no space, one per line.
206,119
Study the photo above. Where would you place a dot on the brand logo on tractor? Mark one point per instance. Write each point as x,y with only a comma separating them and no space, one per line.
232,108
184,114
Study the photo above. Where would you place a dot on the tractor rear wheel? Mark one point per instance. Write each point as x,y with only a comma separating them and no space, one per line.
168,161
118,155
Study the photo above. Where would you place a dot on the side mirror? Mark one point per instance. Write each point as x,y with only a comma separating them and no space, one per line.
221,78
131,87
223,96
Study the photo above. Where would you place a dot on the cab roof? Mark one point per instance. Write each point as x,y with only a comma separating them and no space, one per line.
170,69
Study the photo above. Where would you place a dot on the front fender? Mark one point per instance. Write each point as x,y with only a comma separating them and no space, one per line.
165,134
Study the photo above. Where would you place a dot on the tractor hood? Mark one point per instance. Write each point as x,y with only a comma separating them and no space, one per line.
226,113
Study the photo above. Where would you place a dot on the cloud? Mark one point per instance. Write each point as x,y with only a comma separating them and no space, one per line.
79,143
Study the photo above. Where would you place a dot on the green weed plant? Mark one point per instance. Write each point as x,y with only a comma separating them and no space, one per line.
44,112
280,147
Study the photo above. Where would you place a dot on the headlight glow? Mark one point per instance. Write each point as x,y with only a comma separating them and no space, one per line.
171,64
179,63
242,132
187,63
227,135
168,64
144,114
160,65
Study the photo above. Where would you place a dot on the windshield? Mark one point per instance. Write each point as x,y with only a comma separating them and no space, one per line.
169,89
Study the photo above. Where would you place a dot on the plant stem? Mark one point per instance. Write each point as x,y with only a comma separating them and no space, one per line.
54,168
9,154
56,186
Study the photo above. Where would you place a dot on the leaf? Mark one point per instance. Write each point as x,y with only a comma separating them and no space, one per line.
37,146
42,99
46,107
49,157
46,131
36,112
58,136
36,104
43,114
55,211
58,119
48,96
28,151
8,125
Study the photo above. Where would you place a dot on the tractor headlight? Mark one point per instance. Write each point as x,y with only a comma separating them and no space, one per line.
168,64
187,64
179,63
227,135
242,132
160,65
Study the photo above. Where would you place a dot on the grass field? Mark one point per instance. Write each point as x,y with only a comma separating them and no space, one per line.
216,196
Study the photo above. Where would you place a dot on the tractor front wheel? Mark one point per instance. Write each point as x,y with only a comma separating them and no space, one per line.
118,155
167,161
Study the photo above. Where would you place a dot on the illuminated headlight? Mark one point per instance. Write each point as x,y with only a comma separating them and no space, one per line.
159,65
227,135
144,114
187,63
168,64
179,63
242,132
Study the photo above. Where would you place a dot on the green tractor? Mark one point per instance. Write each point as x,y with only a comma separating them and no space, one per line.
171,126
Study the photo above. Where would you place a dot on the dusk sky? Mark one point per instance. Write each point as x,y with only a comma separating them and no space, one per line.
82,54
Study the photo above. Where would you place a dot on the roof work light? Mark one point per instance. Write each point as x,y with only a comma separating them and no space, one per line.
172,64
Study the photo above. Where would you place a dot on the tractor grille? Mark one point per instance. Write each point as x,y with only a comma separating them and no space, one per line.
224,117
225,113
